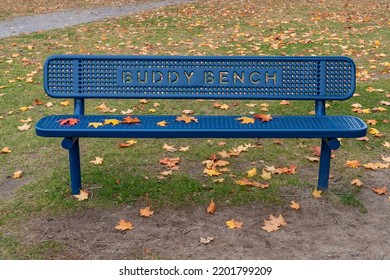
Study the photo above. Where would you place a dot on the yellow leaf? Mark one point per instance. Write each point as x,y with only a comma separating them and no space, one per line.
152,110
221,180
146,212
295,205
82,196
211,208
246,120
234,224
366,111
23,109
123,225
186,119
252,172
17,174
162,123
224,107
211,172
114,122
353,163
65,103
98,160
266,175
316,193
5,150
95,124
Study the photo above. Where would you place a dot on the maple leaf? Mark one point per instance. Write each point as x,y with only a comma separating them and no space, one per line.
184,149
317,193
386,159
353,163
98,160
128,143
371,122
24,127
295,205
144,101
211,208
273,224
17,174
246,120
356,182
188,112
169,148
266,175
252,172
69,121
38,102
162,123
114,122
386,144
313,159
146,212
250,183
379,190
130,120
284,102
211,172
234,224
95,124
5,150
170,162
23,109
374,131
123,225
82,196
186,119
263,117
387,103
221,180
29,119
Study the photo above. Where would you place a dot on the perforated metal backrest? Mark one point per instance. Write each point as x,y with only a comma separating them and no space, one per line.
219,77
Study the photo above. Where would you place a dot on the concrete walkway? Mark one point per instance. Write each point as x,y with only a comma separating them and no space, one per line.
42,22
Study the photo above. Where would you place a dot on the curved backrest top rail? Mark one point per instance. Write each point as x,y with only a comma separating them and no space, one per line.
199,77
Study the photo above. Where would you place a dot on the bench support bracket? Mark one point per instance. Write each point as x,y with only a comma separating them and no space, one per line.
327,145
72,144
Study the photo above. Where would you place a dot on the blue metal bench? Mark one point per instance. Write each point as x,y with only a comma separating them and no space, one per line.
221,77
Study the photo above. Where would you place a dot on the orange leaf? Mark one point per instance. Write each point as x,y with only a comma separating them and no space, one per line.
295,205
284,102
356,182
234,224
263,117
146,212
82,196
17,174
5,150
316,193
211,208
69,121
246,120
273,223
380,190
162,123
186,119
123,225
353,163
371,122
130,120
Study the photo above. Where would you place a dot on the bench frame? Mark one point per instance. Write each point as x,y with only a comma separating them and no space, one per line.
176,77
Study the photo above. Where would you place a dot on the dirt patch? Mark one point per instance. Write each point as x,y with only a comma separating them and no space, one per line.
322,229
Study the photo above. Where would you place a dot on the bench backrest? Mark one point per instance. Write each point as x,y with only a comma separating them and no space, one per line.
201,77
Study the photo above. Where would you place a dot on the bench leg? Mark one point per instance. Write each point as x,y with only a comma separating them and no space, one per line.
327,145
72,144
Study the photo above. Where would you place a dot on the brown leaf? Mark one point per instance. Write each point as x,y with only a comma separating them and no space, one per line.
24,127
379,190
82,196
262,117
353,163
295,205
356,182
98,160
5,150
186,119
234,224
273,224
316,193
211,208
130,120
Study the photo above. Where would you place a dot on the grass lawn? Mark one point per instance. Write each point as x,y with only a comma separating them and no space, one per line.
359,30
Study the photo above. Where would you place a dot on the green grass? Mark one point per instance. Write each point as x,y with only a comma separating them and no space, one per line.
132,174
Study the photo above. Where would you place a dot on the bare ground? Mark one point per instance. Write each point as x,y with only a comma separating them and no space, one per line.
322,229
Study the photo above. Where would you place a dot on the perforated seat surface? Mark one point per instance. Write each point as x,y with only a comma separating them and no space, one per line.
206,127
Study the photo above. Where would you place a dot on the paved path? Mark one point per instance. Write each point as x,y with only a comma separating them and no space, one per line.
41,22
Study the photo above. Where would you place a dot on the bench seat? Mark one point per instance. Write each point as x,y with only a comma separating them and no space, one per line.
206,127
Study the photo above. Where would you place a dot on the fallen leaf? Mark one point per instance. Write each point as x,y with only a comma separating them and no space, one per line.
128,143
82,196
386,159
184,149
169,148
65,103
221,180
98,160
371,122
353,163
162,123
313,159
211,172
295,205
186,119
146,212
166,173
234,224
95,124
284,102
5,150
246,120
29,119
364,138
188,112
206,240
211,208
123,225
263,117
17,174
130,120
113,122
356,182
69,121
252,172
316,193
379,190
24,127
386,144
251,183
373,131
266,175
273,224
